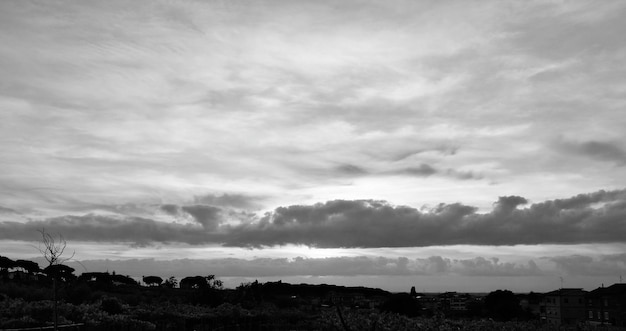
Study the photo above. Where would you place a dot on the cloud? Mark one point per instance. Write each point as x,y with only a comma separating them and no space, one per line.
208,216
599,150
612,264
423,170
370,223
481,266
332,266
251,97
586,218
171,209
107,228
463,174
427,170
5,210
556,31
605,151
505,205
239,201
350,170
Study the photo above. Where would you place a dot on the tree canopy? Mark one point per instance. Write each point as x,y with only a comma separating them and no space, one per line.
60,272
201,282
27,266
153,280
6,263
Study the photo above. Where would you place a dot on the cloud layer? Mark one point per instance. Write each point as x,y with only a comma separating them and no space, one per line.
571,265
296,102
336,266
597,217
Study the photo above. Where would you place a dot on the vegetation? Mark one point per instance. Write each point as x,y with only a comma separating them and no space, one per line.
107,301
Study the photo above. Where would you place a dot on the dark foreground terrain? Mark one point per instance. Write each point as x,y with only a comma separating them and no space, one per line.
103,302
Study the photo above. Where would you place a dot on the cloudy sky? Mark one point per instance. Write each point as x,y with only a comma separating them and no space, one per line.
447,145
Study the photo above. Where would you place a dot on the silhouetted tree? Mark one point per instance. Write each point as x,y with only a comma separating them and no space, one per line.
60,272
53,249
153,280
27,266
171,282
502,305
193,282
213,282
5,264
199,282
122,280
413,293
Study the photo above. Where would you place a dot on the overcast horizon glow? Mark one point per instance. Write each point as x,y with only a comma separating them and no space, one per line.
436,144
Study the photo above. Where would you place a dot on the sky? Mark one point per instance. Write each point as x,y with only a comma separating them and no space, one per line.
447,145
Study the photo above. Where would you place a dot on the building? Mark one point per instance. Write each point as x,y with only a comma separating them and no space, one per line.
22,276
565,306
456,304
607,305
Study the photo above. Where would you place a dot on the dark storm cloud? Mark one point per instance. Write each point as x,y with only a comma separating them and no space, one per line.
208,216
595,217
598,217
99,228
505,205
331,266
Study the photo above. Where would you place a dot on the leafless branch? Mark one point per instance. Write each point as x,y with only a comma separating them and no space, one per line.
52,249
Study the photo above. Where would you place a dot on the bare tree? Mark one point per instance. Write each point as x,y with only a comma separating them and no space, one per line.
52,250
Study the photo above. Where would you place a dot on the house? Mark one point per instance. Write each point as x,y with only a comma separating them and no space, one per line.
20,275
453,301
607,305
98,277
565,306
106,278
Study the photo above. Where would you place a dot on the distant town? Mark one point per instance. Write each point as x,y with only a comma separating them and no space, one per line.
111,301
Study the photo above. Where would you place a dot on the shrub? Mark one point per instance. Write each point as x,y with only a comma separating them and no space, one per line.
112,306
402,303
22,322
78,294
